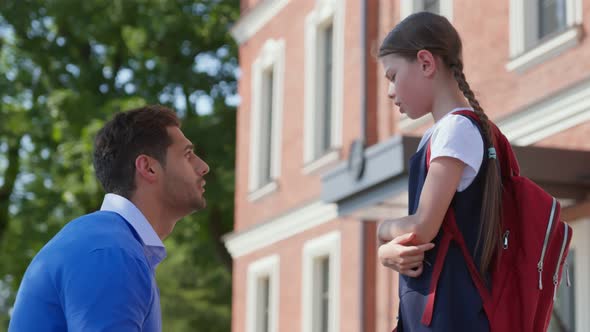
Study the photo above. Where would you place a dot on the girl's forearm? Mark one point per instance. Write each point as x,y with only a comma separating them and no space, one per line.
390,229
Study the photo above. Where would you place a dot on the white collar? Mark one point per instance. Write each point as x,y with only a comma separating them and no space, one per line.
128,210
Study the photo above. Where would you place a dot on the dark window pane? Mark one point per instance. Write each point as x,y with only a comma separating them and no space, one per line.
263,314
266,128
321,294
552,16
323,102
432,6
325,292
327,130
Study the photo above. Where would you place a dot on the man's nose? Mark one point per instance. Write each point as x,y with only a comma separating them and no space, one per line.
203,168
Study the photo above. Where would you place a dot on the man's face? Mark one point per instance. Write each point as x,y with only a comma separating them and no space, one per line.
183,182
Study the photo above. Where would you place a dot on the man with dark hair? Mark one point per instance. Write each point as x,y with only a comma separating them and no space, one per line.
98,272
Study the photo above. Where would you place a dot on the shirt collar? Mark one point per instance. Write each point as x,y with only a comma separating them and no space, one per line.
128,210
429,131
455,110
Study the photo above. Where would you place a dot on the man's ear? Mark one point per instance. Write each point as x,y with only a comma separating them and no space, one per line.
427,62
147,168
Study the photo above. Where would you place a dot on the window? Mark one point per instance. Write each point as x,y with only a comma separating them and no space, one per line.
441,7
542,29
321,284
432,6
552,17
324,37
563,316
262,293
323,118
321,294
265,175
266,119
262,304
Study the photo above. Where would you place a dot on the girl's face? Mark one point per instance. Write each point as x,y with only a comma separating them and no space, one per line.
409,86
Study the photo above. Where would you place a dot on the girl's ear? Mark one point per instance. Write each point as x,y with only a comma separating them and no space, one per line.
427,63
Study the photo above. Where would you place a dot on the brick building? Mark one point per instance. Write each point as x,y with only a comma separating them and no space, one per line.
308,199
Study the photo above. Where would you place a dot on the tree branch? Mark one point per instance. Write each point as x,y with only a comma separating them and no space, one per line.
190,111
9,180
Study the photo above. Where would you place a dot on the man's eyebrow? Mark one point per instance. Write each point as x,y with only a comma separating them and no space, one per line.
189,147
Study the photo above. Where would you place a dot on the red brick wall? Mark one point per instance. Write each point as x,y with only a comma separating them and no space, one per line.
575,138
290,253
295,188
484,27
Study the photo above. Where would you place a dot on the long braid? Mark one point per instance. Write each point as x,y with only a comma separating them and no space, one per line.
457,69
492,197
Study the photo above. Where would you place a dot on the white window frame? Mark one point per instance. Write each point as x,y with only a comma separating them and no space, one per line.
324,13
408,7
271,57
326,245
256,18
265,267
526,50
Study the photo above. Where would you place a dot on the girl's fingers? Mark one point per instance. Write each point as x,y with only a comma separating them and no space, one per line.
390,264
403,266
411,266
412,273
410,260
415,250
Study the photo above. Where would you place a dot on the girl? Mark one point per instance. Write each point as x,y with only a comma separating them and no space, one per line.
422,60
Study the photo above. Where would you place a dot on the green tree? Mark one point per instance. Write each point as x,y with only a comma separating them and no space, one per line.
65,67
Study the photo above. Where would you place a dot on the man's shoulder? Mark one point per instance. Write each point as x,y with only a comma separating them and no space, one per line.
87,252
94,231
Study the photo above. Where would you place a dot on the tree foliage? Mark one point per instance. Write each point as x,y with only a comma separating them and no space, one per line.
65,67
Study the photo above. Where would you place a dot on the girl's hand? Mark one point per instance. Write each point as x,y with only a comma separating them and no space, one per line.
402,256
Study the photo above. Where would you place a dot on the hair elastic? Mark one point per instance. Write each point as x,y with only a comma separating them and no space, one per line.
492,153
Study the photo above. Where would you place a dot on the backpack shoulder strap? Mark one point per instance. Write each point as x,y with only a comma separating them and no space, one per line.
506,157
450,233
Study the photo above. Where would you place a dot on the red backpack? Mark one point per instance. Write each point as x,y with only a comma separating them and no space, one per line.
535,243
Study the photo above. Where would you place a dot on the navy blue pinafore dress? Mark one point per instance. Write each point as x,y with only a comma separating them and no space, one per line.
458,306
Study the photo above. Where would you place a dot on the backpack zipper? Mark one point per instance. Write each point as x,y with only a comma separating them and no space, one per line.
556,274
540,264
505,240
567,274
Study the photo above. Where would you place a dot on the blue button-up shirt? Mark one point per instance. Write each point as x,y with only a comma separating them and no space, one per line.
96,274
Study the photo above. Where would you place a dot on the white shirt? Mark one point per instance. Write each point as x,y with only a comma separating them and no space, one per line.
154,249
457,137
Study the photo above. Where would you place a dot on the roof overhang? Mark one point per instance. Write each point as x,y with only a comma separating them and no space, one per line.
382,189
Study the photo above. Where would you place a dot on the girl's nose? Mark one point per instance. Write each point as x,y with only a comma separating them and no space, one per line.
391,91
